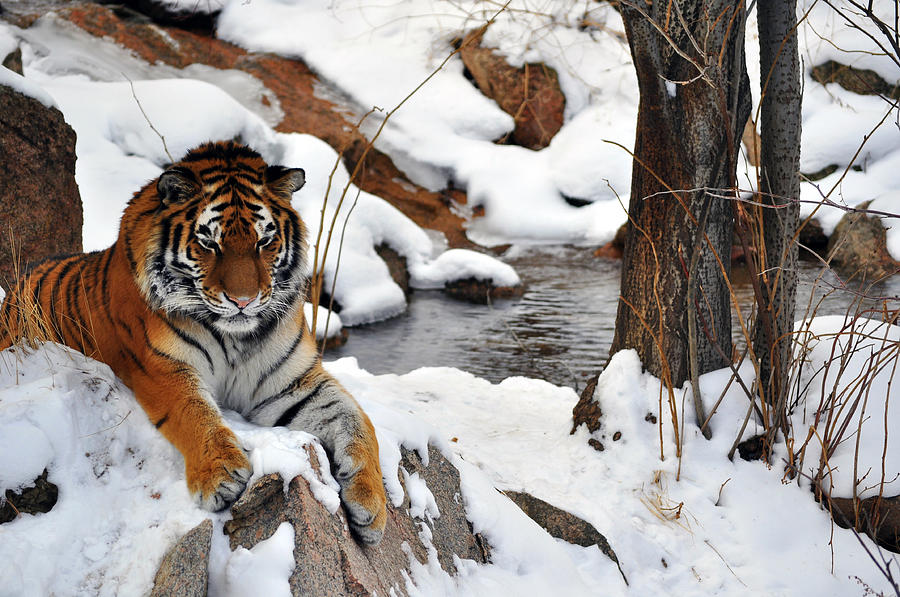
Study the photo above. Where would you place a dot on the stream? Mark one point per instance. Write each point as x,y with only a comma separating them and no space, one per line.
560,330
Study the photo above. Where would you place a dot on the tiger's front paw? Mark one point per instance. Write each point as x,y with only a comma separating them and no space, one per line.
220,474
362,493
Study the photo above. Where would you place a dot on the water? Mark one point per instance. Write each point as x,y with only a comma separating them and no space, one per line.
560,330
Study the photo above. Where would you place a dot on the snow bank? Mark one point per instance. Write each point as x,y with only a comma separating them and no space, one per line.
8,44
693,525
379,53
839,389
122,491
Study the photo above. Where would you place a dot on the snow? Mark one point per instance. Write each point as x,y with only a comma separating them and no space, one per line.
696,525
837,123
866,457
8,78
262,570
458,264
379,53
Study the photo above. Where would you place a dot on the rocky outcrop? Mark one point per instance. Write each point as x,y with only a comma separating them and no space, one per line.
563,525
40,207
857,80
858,245
530,94
185,567
329,561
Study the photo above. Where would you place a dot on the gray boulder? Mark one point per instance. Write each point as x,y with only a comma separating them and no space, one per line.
329,561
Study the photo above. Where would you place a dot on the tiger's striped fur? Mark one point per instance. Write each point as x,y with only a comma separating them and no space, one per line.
199,305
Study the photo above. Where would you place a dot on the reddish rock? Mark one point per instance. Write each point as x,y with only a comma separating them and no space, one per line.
531,94
616,247
40,207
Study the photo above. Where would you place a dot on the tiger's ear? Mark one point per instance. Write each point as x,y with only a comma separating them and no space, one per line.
176,184
285,180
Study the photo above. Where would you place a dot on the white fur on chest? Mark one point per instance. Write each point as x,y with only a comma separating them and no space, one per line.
238,374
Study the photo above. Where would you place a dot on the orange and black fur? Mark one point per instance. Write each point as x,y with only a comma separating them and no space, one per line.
199,304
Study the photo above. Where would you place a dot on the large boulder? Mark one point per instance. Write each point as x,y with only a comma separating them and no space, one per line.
328,560
858,245
530,94
40,208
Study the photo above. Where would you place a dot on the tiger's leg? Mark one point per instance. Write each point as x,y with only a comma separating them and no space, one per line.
319,405
216,467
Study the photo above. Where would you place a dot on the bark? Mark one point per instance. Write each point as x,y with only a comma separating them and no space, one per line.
779,186
685,151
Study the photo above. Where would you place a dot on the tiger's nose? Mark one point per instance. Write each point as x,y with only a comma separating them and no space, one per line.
240,301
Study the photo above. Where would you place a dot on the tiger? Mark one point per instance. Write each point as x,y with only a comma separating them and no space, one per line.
198,306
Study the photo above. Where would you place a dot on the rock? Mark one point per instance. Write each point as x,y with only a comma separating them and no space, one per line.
40,207
396,264
878,517
201,18
480,292
616,247
531,94
563,525
13,61
301,95
37,498
328,559
753,448
185,567
858,244
813,237
821,173
857,80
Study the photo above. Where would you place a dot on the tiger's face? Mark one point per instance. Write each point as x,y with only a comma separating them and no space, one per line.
230,250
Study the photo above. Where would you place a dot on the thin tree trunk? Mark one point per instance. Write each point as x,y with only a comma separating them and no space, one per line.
779,185
694,102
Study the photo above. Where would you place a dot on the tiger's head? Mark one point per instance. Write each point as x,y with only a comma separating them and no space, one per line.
224,245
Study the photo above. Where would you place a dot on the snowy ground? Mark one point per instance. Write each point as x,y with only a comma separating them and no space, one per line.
717,527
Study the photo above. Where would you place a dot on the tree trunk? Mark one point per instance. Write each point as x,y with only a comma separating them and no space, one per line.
779,185
694,102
